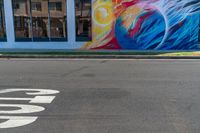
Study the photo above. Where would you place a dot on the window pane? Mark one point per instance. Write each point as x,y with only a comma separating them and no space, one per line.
56,5
21,9
59,6
199,32
2,21
36,6
58,18
40,21
83,20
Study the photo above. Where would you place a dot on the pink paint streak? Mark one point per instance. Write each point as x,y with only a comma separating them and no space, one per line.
137,27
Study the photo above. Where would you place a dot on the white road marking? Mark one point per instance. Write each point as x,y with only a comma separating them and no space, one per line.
42,99
31,91
23,109
16,121
36,99
15,99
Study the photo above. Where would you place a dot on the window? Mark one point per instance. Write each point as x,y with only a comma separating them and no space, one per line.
2,22
35,21
16,6
36,6
83,20
22,19
56,6
58,22
40,22
199,32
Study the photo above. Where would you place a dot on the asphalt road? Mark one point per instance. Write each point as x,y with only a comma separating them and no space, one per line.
106,96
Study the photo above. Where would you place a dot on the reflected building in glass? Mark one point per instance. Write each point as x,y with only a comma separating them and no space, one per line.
40,20
22,19
2,22
199,31
83,20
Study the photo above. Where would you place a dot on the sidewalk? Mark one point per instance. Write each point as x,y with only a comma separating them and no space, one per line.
100,54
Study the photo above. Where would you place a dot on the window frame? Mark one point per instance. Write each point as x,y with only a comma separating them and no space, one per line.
199,33
36,39
80,38
36,6
4,38
55,6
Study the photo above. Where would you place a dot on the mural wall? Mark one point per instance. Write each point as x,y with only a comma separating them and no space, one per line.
145,24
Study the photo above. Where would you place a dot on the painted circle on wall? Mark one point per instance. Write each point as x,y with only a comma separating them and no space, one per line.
140,27
103,14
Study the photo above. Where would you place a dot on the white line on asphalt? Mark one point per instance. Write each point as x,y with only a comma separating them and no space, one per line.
41,96
37,99
16,121
31,91
21,109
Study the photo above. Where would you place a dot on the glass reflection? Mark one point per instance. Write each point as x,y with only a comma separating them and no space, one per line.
199,32
58,18
40,19
83,20
2,21
22,21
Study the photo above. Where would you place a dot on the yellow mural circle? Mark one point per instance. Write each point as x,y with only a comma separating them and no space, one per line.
103,14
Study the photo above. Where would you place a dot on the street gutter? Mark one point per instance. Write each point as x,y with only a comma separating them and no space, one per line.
103,54
99,56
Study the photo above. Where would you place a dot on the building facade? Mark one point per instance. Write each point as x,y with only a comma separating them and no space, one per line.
100,24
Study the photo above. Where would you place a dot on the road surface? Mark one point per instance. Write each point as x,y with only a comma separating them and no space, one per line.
100,96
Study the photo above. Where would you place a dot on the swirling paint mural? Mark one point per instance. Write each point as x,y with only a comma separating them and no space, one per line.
145,24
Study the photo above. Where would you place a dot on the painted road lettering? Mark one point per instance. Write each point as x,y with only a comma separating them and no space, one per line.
31,91
23,109
16,121
42,96
36,99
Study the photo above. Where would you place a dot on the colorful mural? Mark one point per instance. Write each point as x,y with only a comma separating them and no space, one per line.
145,24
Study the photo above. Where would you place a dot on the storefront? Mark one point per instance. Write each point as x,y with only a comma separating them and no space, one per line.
100,24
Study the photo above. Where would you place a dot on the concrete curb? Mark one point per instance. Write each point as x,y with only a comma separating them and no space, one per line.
100,56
